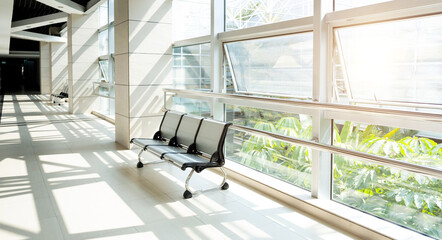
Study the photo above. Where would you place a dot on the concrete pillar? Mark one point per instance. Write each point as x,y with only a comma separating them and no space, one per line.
82,61
143,66
45,68
59,65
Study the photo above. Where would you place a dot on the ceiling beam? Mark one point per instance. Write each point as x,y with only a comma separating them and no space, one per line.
92,5
66,6
37,37
6,7
39,21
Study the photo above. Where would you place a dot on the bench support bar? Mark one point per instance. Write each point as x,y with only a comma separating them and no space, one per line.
188,193
140,163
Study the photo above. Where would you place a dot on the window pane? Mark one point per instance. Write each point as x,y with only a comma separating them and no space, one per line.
191,67
398,61
405,198
192,106
103,14
104,68
243,14
273,66
278,159
103,42
346,4
111,11
191,18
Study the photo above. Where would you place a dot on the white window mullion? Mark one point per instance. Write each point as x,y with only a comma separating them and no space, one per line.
321,131
216,68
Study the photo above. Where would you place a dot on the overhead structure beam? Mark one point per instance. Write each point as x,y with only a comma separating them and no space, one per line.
66,6
39,21
38,37
6,7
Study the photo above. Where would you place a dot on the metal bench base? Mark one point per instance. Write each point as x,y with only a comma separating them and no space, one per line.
188,193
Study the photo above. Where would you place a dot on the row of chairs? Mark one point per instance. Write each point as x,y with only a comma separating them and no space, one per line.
187,142
63,95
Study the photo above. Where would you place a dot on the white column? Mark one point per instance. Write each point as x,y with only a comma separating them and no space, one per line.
45,68
321,161
83,61
143,66
59,65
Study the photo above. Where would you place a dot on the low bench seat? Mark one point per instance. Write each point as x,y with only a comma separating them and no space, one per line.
163,137
198,144
161,150
144,142
193,161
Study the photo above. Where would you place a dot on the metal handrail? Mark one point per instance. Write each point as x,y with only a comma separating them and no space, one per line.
430,171
306,104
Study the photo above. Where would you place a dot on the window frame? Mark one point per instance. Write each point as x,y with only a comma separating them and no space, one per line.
322,23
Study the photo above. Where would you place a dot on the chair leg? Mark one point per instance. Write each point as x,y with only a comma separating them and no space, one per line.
188,193
140,164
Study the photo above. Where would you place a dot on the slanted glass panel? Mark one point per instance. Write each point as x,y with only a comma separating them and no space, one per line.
103,42
191,18
399,61
243,14
104,70
405,198
287,162
346,4
191,67
273,66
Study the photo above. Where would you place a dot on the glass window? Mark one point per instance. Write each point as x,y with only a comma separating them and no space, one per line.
346,4
191,67
409,199
103,14
396,62
191,18
111,11
192,106
287,162
103,42
104,68
243,14
273,66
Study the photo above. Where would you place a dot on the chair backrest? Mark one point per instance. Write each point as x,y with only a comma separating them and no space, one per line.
188,129
211,136
170,123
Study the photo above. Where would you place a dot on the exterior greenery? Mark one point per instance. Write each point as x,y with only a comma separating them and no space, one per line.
405,198
279,159
408,199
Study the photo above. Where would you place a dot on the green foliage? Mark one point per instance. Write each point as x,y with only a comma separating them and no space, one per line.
409,199
406,197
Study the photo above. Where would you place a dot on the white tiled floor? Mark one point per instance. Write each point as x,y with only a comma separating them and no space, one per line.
63,177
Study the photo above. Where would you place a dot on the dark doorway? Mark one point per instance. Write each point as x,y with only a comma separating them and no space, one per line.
19,76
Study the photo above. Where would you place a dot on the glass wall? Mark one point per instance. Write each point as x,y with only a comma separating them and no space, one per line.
243,14
409,199
396,62
287,162
373,60
191,18
273,66
105,89
191,67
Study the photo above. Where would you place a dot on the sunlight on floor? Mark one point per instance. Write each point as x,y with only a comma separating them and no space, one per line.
99,208
64,177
